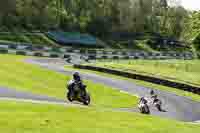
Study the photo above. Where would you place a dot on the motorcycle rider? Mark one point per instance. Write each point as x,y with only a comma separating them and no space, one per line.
154,97
76,79
143,100
155,100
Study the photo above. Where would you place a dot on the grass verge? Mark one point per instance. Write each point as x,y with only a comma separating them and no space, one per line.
34,118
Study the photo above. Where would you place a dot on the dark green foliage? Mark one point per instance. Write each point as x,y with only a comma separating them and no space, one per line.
98,17
55,49
3,51
21,53
92,51
196,42
115,57
54,55
82,51
126,57
38,54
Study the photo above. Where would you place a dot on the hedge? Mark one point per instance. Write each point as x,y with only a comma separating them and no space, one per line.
115,57
20,53
3,51
54,55
126,57
56,49
38,54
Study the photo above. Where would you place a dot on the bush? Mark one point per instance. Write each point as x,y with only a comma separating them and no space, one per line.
3,51
115,52
126,57
54,55
38,54
20,53
124,53
198,55
56,49
82,51
115,57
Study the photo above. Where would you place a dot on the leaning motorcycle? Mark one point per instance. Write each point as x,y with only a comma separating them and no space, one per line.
78,93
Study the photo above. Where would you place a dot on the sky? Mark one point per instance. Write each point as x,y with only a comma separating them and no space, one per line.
191,4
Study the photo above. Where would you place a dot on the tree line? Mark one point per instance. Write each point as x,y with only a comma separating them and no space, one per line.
99,17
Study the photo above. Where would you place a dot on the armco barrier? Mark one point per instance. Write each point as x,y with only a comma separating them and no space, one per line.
154,80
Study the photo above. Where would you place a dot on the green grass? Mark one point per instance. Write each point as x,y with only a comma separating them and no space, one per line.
34,118
36,39
17,74
176,70
145,84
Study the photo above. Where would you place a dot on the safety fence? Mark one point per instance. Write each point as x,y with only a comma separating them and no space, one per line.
61,52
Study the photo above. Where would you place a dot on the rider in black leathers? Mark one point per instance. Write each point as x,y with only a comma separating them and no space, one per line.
76,79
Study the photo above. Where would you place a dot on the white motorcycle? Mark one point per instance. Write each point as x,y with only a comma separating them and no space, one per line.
144,108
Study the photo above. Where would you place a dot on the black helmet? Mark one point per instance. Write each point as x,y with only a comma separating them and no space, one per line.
152,92
76,75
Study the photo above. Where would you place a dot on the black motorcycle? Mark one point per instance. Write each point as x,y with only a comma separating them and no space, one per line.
77,92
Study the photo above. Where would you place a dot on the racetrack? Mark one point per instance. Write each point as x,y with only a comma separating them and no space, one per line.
177,107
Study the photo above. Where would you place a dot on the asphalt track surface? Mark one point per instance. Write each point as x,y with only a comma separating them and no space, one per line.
177,107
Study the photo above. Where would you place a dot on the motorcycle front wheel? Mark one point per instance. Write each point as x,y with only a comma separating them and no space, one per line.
70,97
86,99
